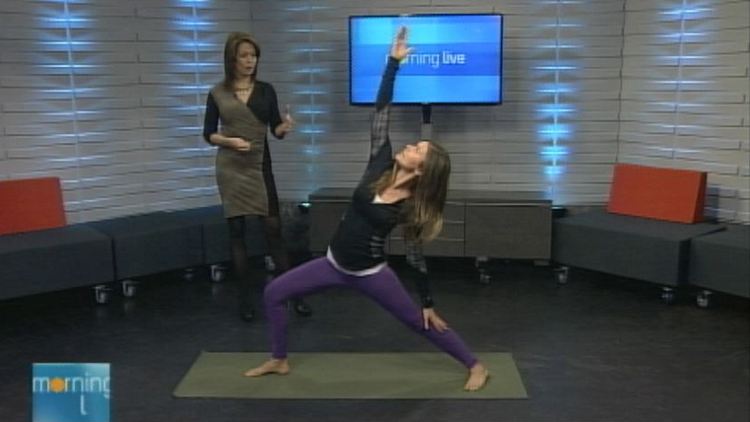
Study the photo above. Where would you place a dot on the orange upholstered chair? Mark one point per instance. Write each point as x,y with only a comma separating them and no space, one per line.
30,204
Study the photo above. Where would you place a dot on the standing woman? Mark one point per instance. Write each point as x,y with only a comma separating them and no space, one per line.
409,187
247,108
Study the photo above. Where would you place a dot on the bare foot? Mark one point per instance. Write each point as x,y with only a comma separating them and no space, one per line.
272,366
478,375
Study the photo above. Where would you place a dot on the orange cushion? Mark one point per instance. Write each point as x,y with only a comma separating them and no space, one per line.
30,204
659,193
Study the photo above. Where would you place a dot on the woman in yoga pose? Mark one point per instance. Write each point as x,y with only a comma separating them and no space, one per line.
408,188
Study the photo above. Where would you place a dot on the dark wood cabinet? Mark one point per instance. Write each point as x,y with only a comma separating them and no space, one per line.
492,224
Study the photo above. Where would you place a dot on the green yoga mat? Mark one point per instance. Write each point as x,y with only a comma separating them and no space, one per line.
349,376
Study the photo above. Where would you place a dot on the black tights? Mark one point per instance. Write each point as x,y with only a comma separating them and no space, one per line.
275,245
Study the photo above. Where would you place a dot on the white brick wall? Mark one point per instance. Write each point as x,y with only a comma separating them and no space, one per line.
122,127
685,94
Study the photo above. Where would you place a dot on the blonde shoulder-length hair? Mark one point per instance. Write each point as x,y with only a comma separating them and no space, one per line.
422,215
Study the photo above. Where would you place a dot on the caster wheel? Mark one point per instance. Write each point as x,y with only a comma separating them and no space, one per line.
704,300
561,274
218,273
667,296
270,265
128,288
102,294
189,274
481,261
484,278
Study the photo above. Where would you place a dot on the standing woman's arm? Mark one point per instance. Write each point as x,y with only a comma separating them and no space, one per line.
211,129
211,119
279,126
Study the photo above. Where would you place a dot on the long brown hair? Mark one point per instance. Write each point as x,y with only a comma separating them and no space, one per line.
231,46
423,212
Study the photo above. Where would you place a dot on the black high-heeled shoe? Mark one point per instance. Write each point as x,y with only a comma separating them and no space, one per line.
301,308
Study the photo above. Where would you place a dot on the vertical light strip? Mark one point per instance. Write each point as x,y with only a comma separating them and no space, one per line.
678,84
196,71
311,78
620,100
311,68
555,131
64,19
191,26
310,89
686,13
193,23
72,82
553,170
311,148
63,16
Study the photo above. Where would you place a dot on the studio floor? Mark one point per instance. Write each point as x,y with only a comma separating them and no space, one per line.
600,348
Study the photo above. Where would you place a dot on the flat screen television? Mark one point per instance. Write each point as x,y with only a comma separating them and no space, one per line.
457,58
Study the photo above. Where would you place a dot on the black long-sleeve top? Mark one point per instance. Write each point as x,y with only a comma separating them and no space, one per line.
359,241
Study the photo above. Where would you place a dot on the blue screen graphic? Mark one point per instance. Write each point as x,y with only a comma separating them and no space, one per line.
456,59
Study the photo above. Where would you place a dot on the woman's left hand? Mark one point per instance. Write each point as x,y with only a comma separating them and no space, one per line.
431,318
400,49
287,124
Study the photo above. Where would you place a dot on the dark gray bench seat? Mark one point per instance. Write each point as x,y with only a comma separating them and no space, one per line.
151,243
721,261
215,233
644,249
54,259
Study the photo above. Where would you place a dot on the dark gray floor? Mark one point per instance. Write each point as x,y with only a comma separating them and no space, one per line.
600,348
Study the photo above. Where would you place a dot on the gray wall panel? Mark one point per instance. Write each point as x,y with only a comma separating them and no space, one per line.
122,127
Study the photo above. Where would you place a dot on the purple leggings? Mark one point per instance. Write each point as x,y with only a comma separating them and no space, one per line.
383,287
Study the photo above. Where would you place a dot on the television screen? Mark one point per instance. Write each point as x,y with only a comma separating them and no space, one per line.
456,59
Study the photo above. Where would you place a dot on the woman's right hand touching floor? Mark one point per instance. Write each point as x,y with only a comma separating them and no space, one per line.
431,319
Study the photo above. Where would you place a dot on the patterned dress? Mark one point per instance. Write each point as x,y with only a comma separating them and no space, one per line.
245,179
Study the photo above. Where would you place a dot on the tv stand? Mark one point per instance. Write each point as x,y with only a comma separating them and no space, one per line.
426,129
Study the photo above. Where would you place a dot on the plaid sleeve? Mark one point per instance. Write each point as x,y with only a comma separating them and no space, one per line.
379,131
415,260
